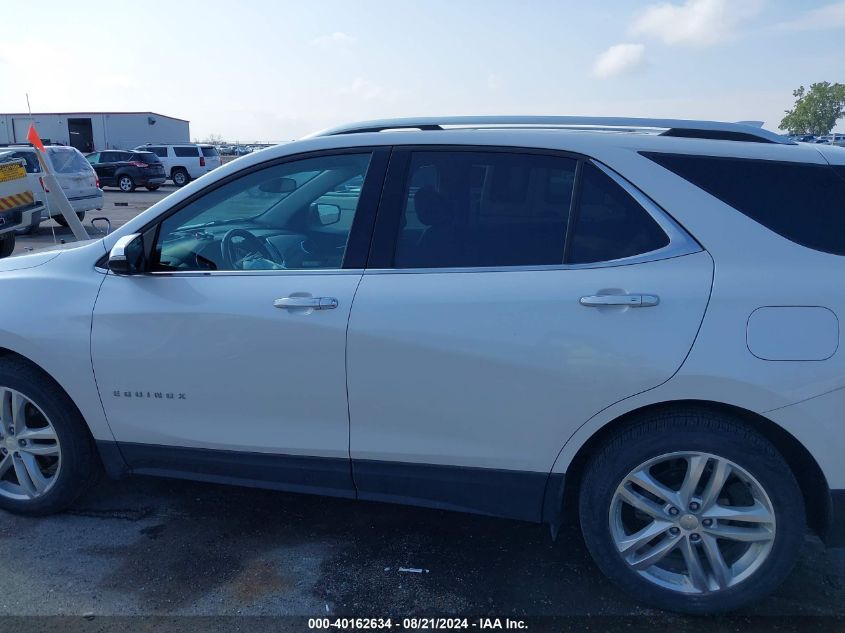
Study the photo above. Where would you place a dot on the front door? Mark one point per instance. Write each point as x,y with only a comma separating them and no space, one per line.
228,357
522,294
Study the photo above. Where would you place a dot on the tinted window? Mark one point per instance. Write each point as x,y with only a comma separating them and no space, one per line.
484,209
294,216
209,151
609,224
93,158
803,202
161,152
32,165
182,152
145,157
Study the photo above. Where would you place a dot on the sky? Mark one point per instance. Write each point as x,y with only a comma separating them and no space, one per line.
256,71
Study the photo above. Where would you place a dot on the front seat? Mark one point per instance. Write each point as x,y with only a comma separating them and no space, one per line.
439,245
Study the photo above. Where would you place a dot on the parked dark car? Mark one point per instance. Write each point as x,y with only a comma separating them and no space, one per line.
127,169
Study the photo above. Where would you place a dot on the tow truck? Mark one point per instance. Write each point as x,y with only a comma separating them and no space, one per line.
17,203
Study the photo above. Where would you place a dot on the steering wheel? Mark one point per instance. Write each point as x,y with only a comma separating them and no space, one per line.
234,252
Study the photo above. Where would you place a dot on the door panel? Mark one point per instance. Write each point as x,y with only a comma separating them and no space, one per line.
226,360
208,361
497,369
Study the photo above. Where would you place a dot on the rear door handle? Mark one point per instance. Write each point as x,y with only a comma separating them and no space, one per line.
314,303
632,301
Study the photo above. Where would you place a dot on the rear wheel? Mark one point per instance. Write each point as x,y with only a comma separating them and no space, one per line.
61,219
692,512
7,244
126,184
47,456
180,177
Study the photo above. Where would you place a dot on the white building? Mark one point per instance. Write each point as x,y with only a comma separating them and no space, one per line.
93,131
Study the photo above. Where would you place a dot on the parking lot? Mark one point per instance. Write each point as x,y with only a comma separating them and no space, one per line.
156,547
50,232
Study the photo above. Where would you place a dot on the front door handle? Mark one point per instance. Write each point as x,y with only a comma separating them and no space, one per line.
632,301
313,303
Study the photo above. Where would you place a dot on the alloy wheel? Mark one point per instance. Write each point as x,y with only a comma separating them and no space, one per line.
30,454
125,184
692,522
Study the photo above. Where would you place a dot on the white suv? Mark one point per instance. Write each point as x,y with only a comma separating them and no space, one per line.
185,162
523,317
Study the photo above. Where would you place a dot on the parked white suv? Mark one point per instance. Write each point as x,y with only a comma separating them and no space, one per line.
522,317
73,172
185,162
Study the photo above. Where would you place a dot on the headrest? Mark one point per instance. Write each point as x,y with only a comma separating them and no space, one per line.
432,207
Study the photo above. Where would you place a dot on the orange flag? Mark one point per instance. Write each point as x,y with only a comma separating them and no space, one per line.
32,137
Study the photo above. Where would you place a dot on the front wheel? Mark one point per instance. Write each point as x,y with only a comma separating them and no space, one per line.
7,244
47,456
692,512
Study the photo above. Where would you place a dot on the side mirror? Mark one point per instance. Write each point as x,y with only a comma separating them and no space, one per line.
278,185
127,255
325,214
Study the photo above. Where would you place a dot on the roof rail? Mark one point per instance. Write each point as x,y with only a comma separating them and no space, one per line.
670,127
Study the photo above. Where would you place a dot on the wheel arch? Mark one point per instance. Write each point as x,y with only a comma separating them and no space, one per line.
106,451
805,468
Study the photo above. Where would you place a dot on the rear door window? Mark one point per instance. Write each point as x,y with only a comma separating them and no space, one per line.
183,152
609,224
482,209
803,202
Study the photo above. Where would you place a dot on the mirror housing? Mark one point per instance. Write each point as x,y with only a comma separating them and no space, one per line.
325,214
278,185
127,255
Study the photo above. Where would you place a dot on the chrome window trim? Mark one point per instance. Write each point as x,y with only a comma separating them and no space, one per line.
253,273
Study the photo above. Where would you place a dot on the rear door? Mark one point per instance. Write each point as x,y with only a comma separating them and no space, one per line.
510,297
188,156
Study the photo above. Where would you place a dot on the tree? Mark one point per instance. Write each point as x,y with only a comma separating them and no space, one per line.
213,139
816,110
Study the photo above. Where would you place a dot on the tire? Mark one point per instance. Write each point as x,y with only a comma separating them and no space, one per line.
180,177
125,183
759,476
7,244
60,219
153,187
76,466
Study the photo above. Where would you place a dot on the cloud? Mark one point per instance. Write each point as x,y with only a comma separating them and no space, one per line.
338,38
695,22
494,81
831,16
619,59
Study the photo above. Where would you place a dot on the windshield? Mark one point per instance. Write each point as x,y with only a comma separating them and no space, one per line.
251,203
66,160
